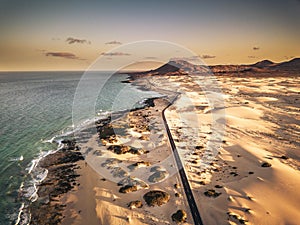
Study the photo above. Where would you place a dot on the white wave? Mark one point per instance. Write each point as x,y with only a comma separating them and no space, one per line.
21,158
50,140
29,189
23,218
19,214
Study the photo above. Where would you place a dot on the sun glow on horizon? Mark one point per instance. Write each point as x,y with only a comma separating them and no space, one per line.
52,35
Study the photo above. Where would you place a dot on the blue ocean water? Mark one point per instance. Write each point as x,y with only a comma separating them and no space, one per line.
36,106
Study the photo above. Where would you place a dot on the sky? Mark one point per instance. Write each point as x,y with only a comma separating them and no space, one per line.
71,35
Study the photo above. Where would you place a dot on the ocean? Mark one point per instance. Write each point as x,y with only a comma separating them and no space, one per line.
37,107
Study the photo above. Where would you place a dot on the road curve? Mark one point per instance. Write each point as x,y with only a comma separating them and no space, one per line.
188,191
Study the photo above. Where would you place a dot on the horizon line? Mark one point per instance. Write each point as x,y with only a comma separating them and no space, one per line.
84,70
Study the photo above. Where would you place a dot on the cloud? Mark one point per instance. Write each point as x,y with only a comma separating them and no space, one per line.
191,58
255,48
66,55
208,56
113,43
71,40
195,58
55,39
115,54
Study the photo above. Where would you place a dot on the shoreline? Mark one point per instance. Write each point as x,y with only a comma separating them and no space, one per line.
65,168
61,178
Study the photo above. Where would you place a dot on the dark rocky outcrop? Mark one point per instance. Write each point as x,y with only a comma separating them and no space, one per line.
135,204
105,131
176,186
180,216
138,164
266,164
61,178
284,157
128,189
177,195
156,198
122,149
211,193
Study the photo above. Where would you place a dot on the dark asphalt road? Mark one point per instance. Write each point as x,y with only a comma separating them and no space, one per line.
189,194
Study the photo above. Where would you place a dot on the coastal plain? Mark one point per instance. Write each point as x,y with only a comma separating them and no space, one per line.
238,139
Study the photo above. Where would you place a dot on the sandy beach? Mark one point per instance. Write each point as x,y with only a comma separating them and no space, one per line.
252,178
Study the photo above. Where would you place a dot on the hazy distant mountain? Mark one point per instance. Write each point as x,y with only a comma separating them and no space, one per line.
176,67
293,65
263,64
180,66
171,66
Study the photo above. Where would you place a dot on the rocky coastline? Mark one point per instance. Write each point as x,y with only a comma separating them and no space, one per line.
62,177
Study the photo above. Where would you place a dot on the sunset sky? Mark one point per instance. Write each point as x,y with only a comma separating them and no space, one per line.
70,35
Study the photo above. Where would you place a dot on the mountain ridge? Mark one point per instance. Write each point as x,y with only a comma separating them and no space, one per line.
182,67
